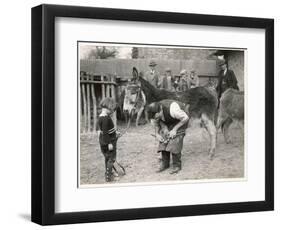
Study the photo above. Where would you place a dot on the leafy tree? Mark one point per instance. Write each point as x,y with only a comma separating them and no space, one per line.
102,52
135,52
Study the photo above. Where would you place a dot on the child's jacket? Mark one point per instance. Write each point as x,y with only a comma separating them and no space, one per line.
108,131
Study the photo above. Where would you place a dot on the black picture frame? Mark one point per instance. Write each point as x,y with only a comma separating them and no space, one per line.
43,113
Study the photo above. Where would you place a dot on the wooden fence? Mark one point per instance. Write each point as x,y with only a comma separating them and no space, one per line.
93,88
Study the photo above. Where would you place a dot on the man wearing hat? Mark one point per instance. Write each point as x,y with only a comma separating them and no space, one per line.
227,79
194,79
167,81
182,82
152,76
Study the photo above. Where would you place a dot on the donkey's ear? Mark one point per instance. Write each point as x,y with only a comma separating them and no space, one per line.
135,73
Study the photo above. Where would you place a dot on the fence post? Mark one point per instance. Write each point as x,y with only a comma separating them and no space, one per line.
108,87
113,95
81,107
84,106
88,106
94,106
102,87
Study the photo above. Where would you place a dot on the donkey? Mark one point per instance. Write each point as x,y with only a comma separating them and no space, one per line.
134,102
231,109
201,103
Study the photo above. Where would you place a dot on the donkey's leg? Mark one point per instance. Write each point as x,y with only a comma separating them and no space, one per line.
146,115
139,115
211,128
126,116
130,117
241,126
225,130
221,118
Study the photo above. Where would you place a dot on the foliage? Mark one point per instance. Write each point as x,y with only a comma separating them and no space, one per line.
135,52
102,52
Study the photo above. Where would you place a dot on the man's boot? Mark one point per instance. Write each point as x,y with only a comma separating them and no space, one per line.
165,161
176,163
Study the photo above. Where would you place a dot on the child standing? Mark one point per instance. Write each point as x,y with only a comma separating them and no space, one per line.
107,135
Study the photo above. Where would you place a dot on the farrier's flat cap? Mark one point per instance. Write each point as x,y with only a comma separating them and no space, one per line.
152,63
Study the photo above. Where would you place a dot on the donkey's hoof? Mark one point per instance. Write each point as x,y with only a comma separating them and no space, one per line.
211,154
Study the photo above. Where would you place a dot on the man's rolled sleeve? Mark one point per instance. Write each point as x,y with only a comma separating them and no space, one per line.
176,112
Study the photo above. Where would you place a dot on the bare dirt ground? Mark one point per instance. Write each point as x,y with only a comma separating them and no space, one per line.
136,151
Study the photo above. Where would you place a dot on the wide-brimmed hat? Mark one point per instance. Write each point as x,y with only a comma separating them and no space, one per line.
152,63
221,62
183,71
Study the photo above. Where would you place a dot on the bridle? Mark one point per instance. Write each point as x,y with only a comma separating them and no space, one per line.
137,97
138,93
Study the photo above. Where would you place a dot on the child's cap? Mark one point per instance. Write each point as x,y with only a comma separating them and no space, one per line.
108,103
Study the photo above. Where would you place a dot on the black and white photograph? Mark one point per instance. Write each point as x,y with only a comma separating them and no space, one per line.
160,114
140,115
